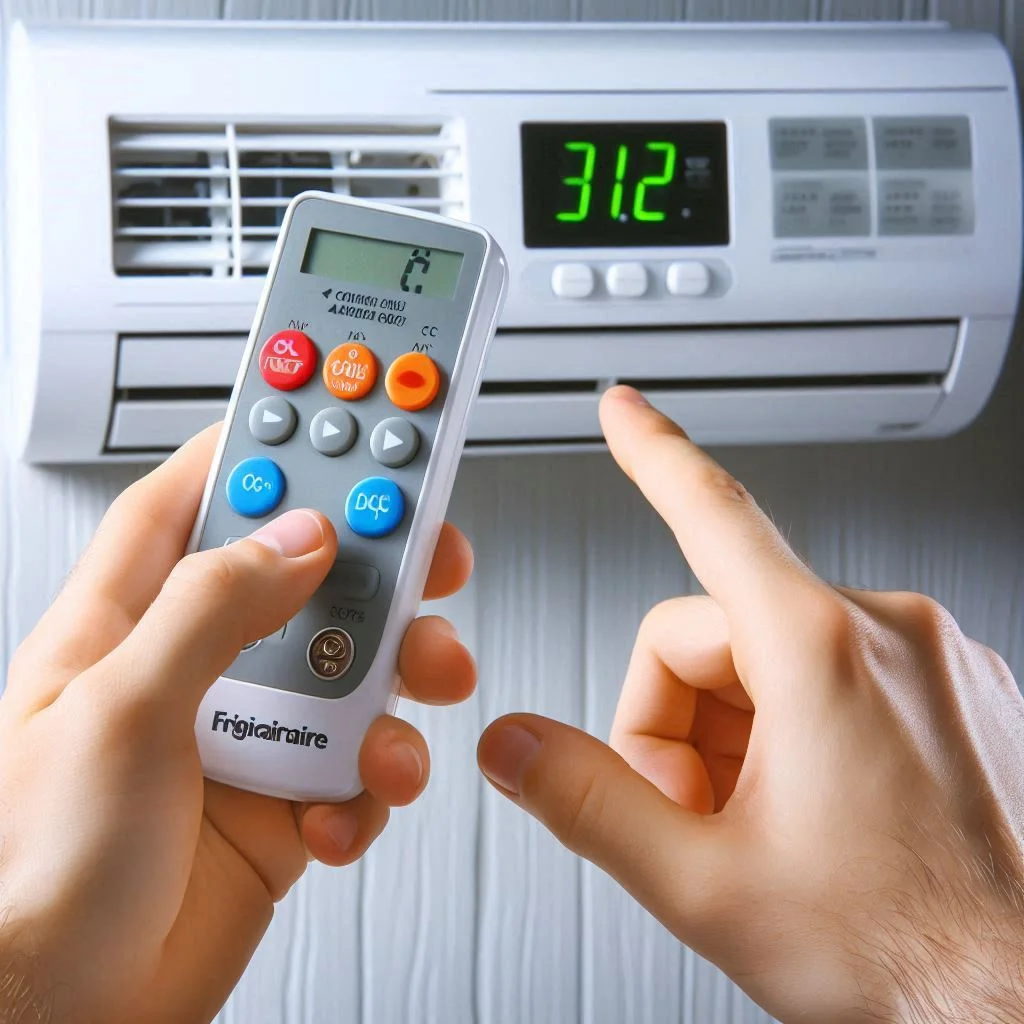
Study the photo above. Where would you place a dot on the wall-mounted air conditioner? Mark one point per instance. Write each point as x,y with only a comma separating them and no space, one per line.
780,234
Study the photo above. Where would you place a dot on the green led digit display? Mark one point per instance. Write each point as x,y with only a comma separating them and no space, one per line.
618,188
583,181
625,184
654,181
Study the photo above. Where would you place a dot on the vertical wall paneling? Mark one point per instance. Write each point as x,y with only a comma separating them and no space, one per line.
752,10
46,9
531,641
863,10
420,887
466,911
112,8
639,10
984,15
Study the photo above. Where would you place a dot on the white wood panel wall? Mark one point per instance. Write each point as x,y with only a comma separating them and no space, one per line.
465,911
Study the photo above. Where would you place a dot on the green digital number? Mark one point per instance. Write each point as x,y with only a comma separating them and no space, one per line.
620,174
583,182
654,180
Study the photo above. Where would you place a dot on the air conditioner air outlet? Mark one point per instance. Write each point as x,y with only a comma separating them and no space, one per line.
653,385
207,200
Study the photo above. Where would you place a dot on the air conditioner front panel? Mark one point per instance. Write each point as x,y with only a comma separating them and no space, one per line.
756,278
882,378
146,429
809,351
178,361
153,209
155,427
809,415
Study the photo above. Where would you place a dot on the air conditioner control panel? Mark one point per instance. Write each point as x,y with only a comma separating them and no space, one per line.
741,206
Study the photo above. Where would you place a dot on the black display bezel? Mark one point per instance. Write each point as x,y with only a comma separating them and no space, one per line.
700,184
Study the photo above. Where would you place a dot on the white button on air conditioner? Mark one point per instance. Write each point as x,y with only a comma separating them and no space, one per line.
688,277
572,280
626,280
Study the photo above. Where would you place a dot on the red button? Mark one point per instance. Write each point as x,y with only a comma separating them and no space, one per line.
287,360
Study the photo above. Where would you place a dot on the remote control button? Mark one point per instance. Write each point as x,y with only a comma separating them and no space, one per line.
350,371
333,431
374,507
255,487
287,360
352,581
272,420
394,442
330,653
412,381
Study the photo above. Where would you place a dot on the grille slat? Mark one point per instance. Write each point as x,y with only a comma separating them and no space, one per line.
174,187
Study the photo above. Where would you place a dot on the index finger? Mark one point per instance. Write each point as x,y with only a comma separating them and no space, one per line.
732,547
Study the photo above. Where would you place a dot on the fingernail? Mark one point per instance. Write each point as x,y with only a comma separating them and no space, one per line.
295,533
408,758
505,755
634,396
342,827
628,394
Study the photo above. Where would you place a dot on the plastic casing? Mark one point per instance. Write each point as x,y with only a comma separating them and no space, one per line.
332,774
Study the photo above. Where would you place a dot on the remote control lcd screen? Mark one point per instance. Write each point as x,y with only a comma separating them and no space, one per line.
396,266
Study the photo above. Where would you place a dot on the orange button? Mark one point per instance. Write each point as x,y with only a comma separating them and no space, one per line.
350,371
412,381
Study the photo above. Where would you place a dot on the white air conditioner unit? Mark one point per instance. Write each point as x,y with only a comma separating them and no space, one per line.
780,234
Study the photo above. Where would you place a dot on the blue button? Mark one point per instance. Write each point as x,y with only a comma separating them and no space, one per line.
255,487
375,507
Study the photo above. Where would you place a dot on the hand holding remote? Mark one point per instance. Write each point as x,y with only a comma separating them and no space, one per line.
132,889
852,850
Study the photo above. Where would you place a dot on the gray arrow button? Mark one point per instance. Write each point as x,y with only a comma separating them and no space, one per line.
394,442
272,420
333,431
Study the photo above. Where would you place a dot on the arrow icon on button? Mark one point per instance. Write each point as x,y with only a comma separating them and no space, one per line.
390,440
271,417
329,430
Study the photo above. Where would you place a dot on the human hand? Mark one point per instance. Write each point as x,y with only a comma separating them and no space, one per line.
850,851
133,889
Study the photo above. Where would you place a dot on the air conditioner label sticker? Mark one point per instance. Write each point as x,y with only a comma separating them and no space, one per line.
824,206
923,143
818,144
936,204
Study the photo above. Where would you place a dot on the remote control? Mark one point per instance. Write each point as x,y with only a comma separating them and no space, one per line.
352,398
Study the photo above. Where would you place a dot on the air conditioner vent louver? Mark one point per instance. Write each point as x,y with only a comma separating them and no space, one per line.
207,200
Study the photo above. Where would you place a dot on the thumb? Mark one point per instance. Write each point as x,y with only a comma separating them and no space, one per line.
211,605
600,808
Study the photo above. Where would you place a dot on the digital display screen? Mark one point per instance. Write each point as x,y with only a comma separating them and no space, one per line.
628,184
396,266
